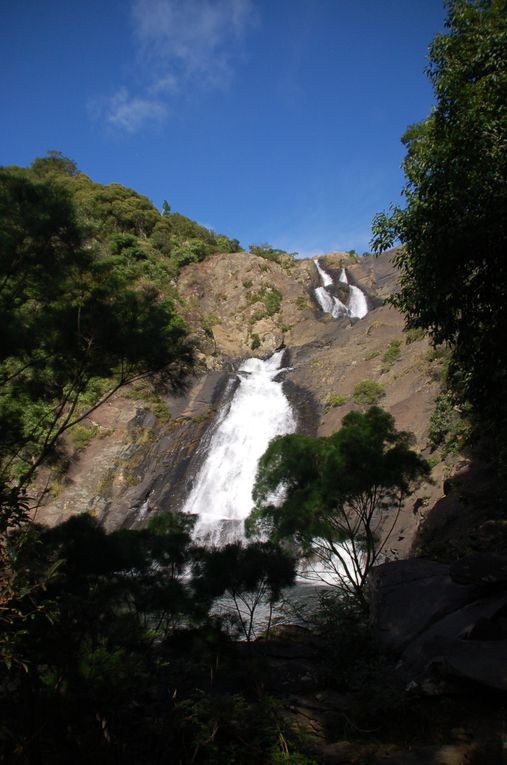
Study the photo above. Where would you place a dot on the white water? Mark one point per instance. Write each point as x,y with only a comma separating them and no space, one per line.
222,494
357,307
326,280
330,304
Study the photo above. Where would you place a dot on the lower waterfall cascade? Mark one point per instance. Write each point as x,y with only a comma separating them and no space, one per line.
221,496
357,307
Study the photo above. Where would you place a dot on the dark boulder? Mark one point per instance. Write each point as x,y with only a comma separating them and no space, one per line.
408,596
483,569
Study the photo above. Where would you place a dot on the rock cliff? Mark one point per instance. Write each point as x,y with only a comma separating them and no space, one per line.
147,446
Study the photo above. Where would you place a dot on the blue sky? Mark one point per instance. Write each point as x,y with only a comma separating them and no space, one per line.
268,120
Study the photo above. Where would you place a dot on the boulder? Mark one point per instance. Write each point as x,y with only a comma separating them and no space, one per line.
484,569
408,596
483,661
462,624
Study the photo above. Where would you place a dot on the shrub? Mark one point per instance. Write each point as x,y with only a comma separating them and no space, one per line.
272,300
393,352
83,435
414,334
270,296
270,253
255,341
334,400
368,393
449,425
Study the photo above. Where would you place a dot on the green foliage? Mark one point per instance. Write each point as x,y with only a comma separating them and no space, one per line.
356,664
271,297
249,576
76,326
55,163
414,334
107,649
449,425
115,658
82,435
270,253
191,251
334,400
453,227
393,353
368,393
338,491
255,341
164,241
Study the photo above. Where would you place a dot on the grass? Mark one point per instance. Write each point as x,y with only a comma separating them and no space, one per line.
335,400
392,354
414,334
82,435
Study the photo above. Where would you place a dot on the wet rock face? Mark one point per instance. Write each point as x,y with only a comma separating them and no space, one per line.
144,465
232,303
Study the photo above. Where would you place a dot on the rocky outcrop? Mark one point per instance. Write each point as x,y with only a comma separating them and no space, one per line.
442,629
238,305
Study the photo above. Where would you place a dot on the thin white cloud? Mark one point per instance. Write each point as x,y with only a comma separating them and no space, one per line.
192,38
181,46
131,113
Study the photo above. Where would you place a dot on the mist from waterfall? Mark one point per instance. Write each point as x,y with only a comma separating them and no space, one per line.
357,306
222,493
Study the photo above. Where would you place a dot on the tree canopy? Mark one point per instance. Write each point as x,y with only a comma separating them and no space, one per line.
454,225
71,319
340,494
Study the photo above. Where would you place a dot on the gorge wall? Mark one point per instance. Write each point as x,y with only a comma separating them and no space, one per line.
146,449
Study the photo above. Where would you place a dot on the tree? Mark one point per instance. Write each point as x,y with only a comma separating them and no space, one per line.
249,576
342,494
454,225
54,162
76,327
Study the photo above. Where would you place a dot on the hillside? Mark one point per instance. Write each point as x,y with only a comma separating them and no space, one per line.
139,456
133,342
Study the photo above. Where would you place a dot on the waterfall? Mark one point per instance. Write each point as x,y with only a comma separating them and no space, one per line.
326,280
330,304
222,493
358,305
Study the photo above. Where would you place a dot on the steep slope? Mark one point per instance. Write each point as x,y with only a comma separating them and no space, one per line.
241,305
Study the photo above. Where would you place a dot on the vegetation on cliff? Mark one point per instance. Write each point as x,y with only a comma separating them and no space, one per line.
453,227
82,312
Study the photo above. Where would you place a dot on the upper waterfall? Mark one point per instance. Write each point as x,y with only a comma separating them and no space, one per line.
357,306
222,493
